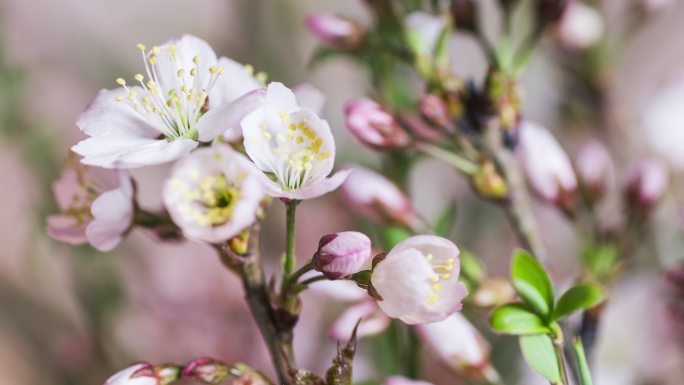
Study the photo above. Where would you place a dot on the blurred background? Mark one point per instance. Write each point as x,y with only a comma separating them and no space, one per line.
74,316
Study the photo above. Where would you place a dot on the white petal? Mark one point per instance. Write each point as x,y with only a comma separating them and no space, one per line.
112,216
105,115
373,321
278,99
187,47
233,83
227,117
317,188
119,151
310,97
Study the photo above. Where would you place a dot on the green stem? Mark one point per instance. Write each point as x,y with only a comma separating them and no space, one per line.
558,342
582,364
289,262
298,274
461,164
311,280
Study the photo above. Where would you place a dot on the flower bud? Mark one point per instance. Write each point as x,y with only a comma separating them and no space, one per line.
646,184
145,374
335,30
457,343
493,292
581,26
417,281
489,183
464,14
373,321
342,254
374,126
375,197
548,168
425,34
594,168
435,111
401,380
207,370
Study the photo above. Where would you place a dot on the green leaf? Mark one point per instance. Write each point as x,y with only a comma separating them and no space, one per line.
532,283
540,355
600,259
582,296
471,267
446,220
518,320
582,365
394,234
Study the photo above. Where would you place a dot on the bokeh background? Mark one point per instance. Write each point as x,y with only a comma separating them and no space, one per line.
73,316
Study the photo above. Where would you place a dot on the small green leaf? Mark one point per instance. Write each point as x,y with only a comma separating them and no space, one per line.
582,296
518,320
445,221
582,365
394,234
532,283
471,267
540,355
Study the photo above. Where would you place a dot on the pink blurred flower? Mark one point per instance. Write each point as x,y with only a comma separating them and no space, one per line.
456,342
206,370
548,168
293,145
581,26
375,197
400,380
96,205
342,254
374,126
136,374
213,194
418,280
646,183
373,321
335,30
163,118
594,168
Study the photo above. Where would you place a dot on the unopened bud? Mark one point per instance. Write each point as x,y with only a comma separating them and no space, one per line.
646,184
145,374
435,111
489,183
374,126
464,14
504,93
375,197
207,370
581,26
594,168
546,165
493,292
336,31
342,254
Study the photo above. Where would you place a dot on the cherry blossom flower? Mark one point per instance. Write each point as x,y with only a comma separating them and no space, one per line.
594,168
373,126
292,145
213,194
646,183
418,280
96,206
334,30
137,374
186,95
342,254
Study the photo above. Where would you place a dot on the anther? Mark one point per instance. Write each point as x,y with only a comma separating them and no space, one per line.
121,82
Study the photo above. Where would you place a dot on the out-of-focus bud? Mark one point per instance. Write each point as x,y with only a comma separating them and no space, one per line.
206,370
373,321
646,184
489,183
504,93
342,254
335,30
426,36
674,277
374,126
417,281
581,27
594,168
547,167
464,14
145,374
550,11
435,111
457,343
493,292
401,380
375,197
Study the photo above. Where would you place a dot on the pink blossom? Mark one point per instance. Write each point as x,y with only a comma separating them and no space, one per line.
186,96
292,144
334,30
646,183
136,374
342,254
455,342
96,206
373,321
594,168
213,194
418,280
581,26
374,126
548,168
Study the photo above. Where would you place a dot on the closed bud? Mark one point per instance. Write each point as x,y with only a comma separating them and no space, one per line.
464,14
646,185
547,167
581,27
374,126
342,254
377,198
493,292
435,111
594,168
335,30
207,370
145,374
489,183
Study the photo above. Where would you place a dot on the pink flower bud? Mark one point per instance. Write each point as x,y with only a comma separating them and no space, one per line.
581,26
374,126
548,168
207,370
373,196
373,321
435,111
335,30
342,254
144,374
594,168
646,184
401,380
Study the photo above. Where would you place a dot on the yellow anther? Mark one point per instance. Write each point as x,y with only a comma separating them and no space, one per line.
213,70
141,47
429,257
171,48
190,97
195,59
180,73
436,286
261,77
156,50
285,117
152,60
119,98
300,140
221,70
446,276
138,77
193,72
249,69
435,278
121,81
263,126
132,95
433,298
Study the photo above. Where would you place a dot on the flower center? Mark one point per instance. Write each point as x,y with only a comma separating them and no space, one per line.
215,198
174,104
442,271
